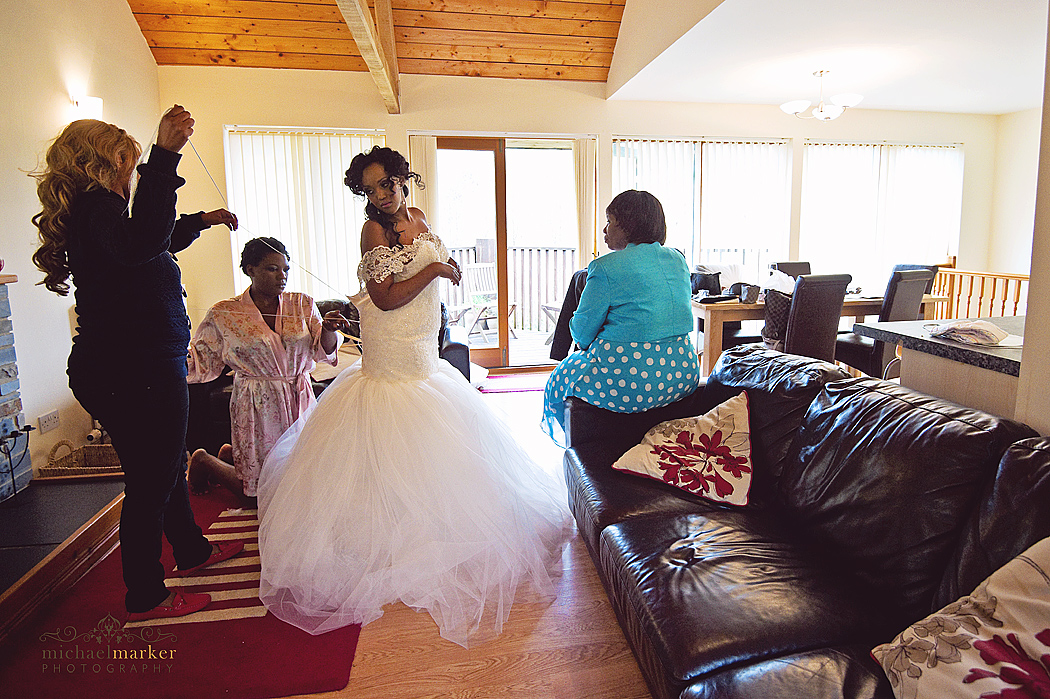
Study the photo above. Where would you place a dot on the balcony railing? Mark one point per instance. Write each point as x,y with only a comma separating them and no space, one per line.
538,276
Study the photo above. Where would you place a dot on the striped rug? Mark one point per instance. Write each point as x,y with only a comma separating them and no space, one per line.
232,584
81,646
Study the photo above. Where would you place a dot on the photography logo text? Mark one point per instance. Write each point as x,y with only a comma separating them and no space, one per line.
108,649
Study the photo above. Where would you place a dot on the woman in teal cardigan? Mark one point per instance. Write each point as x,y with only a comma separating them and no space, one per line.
633,321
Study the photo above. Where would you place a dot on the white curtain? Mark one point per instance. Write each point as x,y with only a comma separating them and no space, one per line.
422,158
670,171
288,184
745,211
867,207
585,162
726,202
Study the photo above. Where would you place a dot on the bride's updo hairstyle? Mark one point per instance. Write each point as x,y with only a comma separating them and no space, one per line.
640,215
395,166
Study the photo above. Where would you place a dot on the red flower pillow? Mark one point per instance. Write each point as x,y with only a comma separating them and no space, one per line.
992,643
709,455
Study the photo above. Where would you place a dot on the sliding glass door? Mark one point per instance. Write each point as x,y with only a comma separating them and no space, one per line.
507,211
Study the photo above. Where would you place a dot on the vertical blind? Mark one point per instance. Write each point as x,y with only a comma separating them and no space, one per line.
725,201
288,184
867,207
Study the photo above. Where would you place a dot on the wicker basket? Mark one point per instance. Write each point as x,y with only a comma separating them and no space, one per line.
81,461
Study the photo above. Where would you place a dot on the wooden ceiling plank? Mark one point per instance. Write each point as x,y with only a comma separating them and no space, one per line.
503,70
359,19
240,42
255,59
241,9
261,27
503,39
539,56
564,9
497,23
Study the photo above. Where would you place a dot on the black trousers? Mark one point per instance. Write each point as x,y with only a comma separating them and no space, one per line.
146,420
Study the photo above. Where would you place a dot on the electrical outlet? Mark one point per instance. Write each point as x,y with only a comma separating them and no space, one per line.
48,422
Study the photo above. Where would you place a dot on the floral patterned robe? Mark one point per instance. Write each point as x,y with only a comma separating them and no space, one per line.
271,384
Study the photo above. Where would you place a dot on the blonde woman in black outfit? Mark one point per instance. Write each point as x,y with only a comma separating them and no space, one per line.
127,367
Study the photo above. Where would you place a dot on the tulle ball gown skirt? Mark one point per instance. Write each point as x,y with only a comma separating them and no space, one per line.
412,491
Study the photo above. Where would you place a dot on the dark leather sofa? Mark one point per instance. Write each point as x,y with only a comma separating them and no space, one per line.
871,506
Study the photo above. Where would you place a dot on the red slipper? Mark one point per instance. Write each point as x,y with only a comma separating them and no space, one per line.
182,604
226,550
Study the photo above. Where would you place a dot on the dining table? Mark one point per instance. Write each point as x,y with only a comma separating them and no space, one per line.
715,313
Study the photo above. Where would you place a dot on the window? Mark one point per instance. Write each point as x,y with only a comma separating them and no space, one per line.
288,184
726,202
867,207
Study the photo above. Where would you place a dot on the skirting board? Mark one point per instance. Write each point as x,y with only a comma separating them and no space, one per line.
61,568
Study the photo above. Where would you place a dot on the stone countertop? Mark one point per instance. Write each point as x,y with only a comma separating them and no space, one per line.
911,334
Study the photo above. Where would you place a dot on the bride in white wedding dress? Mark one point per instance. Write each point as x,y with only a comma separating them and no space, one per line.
401,483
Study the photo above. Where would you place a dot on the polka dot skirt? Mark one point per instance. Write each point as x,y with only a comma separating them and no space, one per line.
626,377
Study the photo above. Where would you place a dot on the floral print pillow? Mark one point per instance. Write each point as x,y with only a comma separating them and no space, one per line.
709,455
994,642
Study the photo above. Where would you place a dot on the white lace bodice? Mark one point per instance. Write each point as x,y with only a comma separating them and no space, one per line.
401,345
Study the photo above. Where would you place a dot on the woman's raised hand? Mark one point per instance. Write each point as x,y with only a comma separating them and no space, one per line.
176,127
334,320
214,218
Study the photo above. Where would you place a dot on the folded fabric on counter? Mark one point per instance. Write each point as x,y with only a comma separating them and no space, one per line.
969,332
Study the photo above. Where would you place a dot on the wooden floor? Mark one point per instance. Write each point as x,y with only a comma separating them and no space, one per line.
569,649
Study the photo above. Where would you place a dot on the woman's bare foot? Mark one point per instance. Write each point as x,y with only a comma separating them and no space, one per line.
198,473
226,453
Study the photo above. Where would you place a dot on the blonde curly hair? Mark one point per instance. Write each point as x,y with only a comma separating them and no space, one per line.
87,155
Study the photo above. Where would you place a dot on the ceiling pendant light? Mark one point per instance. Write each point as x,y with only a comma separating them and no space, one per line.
822,112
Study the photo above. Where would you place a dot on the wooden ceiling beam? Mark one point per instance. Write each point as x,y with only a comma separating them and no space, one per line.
381,62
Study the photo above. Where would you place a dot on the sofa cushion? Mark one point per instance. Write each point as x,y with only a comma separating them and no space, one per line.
703,592
828,673
993,642
600,496
708,455
1013,514
620,431
780,388
882,480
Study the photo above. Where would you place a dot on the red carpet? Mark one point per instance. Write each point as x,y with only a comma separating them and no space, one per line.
81,648
514,383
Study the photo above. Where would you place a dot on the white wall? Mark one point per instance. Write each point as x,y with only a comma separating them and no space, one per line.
220,96
1033,398
51,49
647,29
1016,167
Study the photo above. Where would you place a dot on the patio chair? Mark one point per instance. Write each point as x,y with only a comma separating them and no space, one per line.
902,302
479,281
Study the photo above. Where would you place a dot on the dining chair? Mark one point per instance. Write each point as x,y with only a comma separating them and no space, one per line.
902,302
561,339
813,321
792,269
932,268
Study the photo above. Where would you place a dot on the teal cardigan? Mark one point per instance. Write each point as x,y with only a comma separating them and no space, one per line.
638,294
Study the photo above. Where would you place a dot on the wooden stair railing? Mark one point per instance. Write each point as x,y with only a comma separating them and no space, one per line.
980,294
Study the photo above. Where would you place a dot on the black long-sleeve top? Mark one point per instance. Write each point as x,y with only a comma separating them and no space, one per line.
128,294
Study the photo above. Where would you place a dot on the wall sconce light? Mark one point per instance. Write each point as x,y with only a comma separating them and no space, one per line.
85,107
